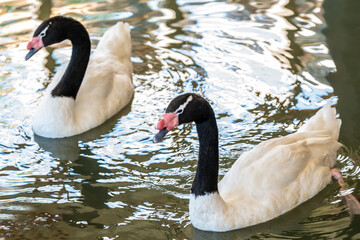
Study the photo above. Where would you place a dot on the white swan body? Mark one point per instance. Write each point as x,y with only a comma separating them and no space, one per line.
105,89
272,178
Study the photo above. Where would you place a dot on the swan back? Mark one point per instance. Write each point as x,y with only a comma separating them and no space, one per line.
116,41
324,120
107,86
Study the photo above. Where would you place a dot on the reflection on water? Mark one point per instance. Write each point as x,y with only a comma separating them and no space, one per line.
265,67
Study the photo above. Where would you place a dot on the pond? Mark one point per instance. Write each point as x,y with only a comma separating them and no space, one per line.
265,67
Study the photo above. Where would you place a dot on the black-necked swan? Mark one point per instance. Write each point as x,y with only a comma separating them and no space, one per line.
269,180
91,89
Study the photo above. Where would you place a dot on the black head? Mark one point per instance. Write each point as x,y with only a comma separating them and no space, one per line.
189,107
185,108
53,30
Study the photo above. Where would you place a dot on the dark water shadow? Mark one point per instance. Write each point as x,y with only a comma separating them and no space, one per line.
343,37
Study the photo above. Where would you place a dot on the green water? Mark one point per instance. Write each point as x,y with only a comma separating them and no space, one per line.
265,66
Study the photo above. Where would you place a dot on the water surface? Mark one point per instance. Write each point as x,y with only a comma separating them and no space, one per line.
265,66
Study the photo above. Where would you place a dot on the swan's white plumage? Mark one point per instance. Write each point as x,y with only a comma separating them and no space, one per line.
106,88
272,178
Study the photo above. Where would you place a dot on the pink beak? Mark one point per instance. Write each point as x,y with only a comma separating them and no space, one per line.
34,45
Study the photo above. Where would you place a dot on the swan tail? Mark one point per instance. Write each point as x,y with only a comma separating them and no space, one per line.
324,120
117,42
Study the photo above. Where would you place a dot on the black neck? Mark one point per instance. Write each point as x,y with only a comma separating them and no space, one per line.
206,179
71,80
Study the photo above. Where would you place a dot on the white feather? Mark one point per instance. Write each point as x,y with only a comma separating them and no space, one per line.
272,178
106,88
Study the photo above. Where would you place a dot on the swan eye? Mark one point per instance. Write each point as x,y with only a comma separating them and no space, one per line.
181,108
43,32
